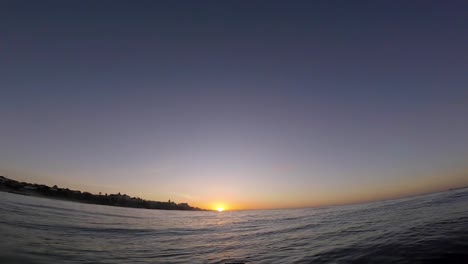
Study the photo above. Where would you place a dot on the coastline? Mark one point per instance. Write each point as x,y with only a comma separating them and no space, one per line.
65,194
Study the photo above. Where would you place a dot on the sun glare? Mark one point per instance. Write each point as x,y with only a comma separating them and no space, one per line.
219,206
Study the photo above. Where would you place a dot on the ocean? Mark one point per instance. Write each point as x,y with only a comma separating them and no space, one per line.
430,228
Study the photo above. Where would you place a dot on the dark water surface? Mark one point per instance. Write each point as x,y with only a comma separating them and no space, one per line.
424,229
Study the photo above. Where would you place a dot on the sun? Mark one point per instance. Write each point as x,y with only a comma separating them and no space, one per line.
219,206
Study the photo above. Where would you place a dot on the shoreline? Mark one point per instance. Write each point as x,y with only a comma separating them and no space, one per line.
65,194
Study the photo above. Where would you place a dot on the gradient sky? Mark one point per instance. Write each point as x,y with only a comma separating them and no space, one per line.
252,104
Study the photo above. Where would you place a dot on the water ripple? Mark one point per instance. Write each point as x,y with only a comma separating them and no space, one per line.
422,229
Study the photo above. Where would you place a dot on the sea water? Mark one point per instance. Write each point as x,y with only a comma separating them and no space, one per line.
422,229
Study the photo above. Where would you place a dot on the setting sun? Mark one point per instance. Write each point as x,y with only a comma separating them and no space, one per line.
220,207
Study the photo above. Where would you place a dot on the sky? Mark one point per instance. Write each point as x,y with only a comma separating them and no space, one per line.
239,104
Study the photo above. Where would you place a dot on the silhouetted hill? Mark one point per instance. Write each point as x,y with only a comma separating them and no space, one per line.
122,200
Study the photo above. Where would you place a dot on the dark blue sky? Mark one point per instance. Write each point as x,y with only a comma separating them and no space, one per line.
241,102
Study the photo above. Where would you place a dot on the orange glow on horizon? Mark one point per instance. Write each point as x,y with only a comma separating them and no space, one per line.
220,207
250,198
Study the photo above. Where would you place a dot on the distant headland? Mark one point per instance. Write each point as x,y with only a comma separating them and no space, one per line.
121,200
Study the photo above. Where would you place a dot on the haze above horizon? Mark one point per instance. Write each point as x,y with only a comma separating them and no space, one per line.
236,105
